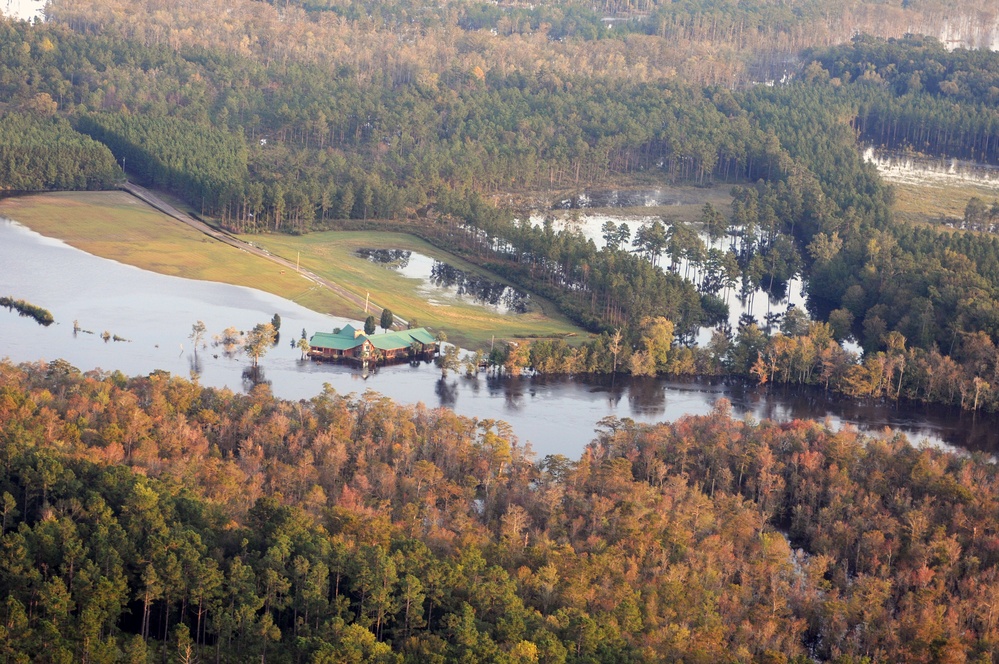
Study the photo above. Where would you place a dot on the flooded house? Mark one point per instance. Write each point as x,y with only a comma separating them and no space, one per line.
353,345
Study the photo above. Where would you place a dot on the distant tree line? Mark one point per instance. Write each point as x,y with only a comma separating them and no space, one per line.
914,94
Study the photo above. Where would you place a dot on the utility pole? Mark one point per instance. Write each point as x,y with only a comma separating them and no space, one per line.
366,296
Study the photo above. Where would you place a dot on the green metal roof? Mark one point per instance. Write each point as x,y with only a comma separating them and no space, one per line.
400,339
422,335
345,339
350,331
335,341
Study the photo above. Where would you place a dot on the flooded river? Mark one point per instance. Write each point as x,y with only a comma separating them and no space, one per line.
154,314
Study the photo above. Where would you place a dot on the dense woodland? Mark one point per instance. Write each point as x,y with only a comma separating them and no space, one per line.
151,518
916,95
263,142
39,152
707,42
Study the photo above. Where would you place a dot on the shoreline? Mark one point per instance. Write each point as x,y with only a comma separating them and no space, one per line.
117,226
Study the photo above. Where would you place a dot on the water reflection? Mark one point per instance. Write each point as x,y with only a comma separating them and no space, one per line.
253,376
392,257
556,415
611,198
446,392
647,396
444,281
481,290
194,362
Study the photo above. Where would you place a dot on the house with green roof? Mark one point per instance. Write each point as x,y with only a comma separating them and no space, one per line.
353,345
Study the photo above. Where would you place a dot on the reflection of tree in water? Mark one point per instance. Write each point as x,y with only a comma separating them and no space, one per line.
395,257
513,391
194,362
481,290
253,376
777,291
647,395
472,382
446,392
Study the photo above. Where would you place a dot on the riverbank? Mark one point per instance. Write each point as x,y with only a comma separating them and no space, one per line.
156,314
117,226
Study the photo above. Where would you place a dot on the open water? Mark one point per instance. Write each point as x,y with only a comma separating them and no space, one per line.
555,415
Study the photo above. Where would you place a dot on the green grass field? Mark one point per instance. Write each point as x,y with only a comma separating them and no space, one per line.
332,255
118,226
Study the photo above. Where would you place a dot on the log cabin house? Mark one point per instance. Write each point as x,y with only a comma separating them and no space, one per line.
353,345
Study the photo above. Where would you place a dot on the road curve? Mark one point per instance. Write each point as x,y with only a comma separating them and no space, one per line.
155,201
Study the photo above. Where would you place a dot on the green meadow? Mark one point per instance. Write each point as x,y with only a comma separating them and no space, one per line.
333,255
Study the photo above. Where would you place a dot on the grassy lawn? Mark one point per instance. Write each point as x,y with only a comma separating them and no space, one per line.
118,226
331,255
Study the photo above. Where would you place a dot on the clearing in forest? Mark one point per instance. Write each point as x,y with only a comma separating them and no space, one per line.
939,202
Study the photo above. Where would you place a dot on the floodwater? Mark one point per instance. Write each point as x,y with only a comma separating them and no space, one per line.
443,283
555,415
900,168
25,10
761,305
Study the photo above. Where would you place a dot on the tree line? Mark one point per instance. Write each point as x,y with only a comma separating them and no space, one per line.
192,160
794,352
151,518
40,153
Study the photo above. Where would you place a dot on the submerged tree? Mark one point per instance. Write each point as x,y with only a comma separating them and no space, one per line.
231,340
448,361
198,335
260,338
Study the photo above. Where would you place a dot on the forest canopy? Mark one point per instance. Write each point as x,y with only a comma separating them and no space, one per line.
151,517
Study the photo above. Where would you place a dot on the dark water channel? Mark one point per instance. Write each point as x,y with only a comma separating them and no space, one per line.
155,314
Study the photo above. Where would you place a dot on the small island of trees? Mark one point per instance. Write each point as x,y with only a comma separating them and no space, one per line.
25,308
